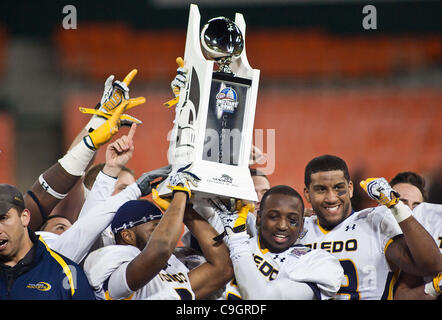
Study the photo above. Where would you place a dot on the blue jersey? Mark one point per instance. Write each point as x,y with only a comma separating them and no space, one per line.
44,274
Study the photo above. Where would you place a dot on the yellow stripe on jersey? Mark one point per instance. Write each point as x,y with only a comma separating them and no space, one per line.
263,251
321,228
232,296
392,284
63,264
108,297
387,245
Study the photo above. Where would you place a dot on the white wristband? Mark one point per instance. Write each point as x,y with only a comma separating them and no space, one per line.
77,159
401,211
49,190
429,289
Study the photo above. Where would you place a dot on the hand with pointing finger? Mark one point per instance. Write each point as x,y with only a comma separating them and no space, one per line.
119,152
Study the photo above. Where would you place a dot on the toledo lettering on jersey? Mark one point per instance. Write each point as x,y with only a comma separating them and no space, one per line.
335,246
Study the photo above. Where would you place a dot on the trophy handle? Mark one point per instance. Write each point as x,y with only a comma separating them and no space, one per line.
193,45
241,65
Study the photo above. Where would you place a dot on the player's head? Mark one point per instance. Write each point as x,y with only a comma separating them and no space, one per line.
280,218
134,222
125,178
328,189
56,224
14,221
411,187
261,184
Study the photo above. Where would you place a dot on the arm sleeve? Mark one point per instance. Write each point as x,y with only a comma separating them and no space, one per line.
78,239
101,190
388,226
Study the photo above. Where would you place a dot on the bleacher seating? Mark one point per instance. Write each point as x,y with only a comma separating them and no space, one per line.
93,50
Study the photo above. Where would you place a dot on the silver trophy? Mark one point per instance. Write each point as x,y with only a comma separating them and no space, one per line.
222,41
214,118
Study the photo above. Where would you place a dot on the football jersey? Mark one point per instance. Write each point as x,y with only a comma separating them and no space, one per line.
106,271
317,268
429,216
359,242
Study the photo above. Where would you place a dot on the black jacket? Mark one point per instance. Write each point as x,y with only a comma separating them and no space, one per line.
44,274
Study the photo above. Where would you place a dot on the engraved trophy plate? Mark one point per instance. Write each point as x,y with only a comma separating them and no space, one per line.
214,118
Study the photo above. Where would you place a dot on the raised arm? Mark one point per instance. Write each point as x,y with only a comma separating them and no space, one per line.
53,185
416,252
166,235
97,215
217,270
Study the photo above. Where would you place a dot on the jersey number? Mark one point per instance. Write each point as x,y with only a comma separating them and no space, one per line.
184,294
351,274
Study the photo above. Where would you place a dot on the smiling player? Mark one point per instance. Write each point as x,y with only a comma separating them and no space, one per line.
270,265
371,244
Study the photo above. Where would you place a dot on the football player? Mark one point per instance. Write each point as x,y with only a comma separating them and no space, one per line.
372,244
53,185
270,265
141,266
411,188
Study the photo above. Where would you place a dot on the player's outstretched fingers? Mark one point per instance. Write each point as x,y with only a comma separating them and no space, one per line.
180,62
130,77
132,130
133,102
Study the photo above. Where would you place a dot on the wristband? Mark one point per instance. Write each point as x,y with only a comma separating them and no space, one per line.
180,188
432,288
49,190
76,160
401,212
429,289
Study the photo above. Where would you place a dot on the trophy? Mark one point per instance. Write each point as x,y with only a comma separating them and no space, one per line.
214,119
222,41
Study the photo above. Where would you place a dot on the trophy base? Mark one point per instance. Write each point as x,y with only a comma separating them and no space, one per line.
218,180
